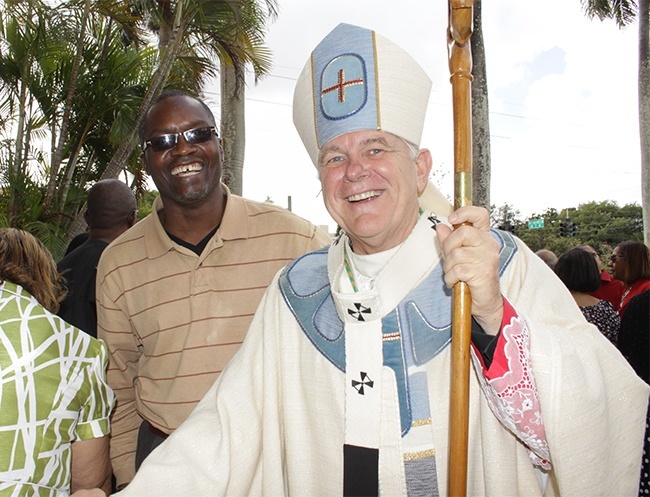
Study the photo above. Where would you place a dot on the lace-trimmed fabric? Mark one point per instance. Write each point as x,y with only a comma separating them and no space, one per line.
510,388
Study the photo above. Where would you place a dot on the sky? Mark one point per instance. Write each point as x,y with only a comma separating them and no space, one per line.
562,96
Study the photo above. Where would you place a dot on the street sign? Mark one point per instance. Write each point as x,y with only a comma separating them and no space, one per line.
536,223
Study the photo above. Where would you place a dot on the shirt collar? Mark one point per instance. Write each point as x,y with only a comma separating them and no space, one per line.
234,225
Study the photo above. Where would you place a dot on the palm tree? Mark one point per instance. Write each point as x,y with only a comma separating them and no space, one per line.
233,128
81,73
624,13
106,101
644,112
54,76
86,30
481,157
22,38
233,125
67,108
209,33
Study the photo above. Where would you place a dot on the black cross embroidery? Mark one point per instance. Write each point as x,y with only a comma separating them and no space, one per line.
359,311
434,221
365,382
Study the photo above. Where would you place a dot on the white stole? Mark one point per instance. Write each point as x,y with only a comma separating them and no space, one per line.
362,312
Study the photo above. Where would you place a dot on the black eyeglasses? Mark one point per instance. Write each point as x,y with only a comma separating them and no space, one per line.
169,141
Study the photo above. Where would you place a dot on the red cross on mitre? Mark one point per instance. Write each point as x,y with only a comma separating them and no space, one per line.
341,85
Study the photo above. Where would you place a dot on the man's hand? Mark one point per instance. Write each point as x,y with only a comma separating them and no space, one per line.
471,255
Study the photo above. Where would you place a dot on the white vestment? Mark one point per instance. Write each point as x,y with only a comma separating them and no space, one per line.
274,423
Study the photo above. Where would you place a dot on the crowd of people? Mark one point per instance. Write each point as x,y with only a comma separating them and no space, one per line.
230,347
617,302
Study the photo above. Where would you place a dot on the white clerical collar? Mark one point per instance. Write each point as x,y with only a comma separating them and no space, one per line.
365,268
369,265
395,271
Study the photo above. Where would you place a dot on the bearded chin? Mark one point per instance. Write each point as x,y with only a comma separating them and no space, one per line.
195,198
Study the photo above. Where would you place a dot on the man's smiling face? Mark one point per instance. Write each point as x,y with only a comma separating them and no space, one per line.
370,187
188,173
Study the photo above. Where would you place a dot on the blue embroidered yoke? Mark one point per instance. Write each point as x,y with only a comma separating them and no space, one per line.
417,330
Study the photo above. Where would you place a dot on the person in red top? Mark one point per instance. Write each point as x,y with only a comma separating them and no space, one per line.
630,263
610,289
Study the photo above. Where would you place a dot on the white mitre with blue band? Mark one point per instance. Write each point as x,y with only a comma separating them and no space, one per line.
358,80
376,85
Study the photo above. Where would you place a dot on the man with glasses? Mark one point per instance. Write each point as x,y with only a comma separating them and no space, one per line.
177,293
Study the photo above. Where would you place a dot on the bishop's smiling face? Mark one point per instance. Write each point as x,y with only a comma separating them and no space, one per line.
370,187
186,174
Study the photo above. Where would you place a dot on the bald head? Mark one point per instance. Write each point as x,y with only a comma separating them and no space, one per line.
548,257
110,210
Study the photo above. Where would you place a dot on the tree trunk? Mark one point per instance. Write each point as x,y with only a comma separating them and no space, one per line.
166,27
481,160
233,129
644,112
14,167
67,110
68,173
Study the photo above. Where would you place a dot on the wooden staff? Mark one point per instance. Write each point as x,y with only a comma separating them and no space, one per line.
460,67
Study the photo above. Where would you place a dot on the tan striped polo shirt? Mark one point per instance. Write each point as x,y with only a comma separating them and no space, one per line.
173,319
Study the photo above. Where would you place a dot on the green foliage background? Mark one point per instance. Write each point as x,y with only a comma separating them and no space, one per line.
603,225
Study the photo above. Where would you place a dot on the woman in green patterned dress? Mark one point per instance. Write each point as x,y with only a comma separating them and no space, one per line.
54,400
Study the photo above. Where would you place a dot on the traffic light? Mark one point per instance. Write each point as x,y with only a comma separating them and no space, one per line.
571,229
567,228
